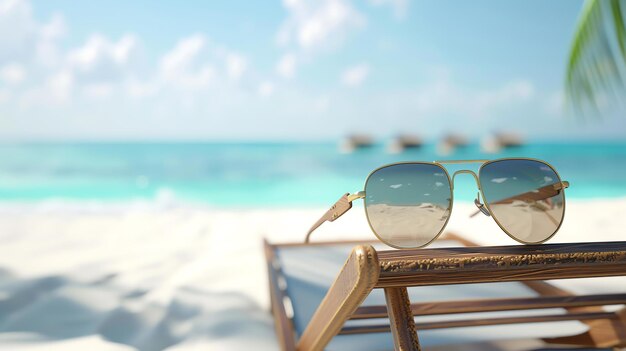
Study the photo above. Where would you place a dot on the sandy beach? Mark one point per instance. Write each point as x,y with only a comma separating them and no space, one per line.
154,276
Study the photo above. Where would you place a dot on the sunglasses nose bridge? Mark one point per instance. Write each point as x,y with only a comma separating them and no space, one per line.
466,171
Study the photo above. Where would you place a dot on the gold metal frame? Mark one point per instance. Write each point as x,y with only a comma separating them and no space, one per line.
345,202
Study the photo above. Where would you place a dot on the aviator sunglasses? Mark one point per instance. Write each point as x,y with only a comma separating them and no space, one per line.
408,204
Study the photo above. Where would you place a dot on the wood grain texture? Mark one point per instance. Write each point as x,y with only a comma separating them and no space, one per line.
466,265
401,320
601,333
493,305
381,328
355,281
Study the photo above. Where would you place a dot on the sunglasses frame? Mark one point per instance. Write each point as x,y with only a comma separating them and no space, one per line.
451,188
345,202
564,185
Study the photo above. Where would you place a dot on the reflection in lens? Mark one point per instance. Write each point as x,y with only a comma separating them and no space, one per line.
407,205
525,198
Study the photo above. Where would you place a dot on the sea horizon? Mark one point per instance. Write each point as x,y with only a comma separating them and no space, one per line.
262,174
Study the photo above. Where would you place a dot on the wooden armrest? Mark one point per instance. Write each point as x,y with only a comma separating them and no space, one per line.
355,281
464,265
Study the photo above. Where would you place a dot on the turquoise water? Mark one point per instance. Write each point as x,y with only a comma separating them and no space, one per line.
261,174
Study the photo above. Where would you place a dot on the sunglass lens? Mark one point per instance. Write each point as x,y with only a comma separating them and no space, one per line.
408,205
525,198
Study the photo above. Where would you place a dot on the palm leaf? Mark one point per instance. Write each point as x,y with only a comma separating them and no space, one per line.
596,71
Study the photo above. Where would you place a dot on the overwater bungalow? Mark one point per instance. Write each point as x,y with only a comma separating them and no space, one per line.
501,140
451,142
402,142
353,142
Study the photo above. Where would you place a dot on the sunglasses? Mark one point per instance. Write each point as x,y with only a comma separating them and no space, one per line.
409,204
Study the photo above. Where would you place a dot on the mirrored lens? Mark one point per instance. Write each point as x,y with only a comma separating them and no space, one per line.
524,197
408,205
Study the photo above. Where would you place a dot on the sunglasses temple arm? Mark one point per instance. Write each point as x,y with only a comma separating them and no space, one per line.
343,205
543,193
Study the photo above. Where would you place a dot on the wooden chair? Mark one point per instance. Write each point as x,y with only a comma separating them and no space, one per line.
580,320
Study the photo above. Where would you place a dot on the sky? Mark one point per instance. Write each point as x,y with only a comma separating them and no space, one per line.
291,70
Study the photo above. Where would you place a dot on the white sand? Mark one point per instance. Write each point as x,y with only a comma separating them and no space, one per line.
178,277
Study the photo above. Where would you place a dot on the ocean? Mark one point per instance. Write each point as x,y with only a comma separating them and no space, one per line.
244,175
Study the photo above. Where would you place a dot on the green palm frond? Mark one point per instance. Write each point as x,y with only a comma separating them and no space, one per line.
596,71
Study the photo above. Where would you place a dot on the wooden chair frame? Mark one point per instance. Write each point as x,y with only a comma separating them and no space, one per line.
394,271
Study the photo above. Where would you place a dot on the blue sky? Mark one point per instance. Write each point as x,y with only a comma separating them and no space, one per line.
290,70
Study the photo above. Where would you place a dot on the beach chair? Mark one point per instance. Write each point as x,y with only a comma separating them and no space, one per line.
436,298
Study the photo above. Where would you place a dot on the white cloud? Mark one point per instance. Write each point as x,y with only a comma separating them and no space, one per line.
122,51
12,73
47,48
236,65
286,66
103,67
23,39
313,24
87,56
316,29
182,66
93,70
181,57
356,75
55,29
193,64
101,54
